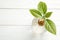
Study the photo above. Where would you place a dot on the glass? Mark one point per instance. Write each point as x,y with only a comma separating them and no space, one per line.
39,32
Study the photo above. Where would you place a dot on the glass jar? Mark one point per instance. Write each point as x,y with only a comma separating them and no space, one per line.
39,32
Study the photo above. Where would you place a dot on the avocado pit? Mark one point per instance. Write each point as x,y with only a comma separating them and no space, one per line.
41,22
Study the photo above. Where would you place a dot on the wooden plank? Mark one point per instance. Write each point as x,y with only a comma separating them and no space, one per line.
28,3
23,17
23,33
15,17
15,32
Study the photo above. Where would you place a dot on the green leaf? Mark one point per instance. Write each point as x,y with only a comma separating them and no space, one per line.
42,7
50,26
48,14
35,13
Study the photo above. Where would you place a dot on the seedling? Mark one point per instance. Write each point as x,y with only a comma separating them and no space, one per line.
42,13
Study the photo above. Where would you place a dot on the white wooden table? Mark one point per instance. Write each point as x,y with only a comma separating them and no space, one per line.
16,20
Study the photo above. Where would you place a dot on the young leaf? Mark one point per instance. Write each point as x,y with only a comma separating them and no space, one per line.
35,13
42,7
50,26
48,14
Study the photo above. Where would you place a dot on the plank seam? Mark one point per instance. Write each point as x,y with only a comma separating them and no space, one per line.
29,8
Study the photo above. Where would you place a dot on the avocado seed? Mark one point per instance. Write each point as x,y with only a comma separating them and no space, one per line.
41,22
